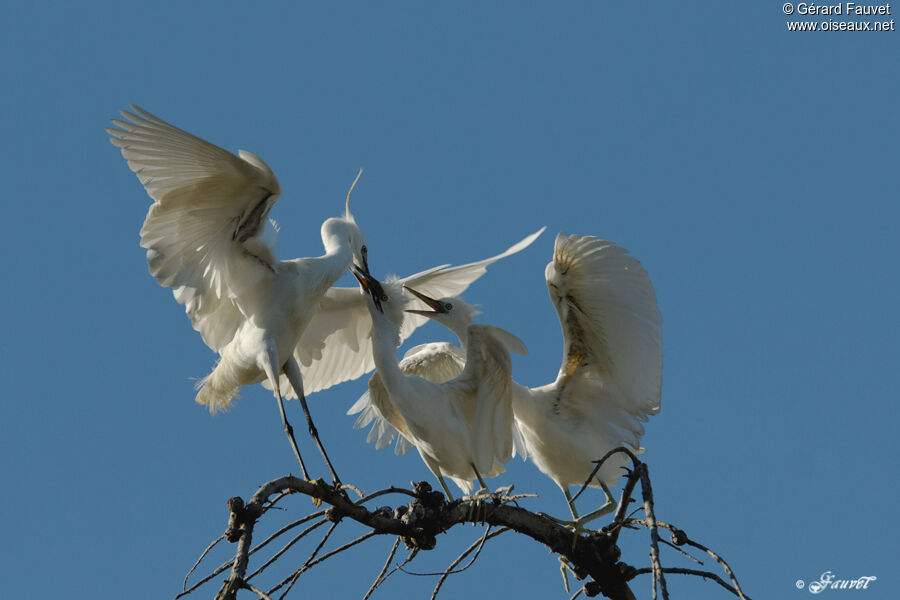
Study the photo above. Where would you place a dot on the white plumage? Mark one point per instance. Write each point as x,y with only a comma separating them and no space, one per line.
205,238
461,427
337,344
609,381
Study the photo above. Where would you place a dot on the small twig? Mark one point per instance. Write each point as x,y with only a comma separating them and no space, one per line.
600,462
399,566
722,562
680,537
227,565
271,503
627,490
350,486
680,551
704,574
285,548
324,539
306,567
287,528
578,593
384,569
479,545
390,490
259,593
647,494
199,560
218,571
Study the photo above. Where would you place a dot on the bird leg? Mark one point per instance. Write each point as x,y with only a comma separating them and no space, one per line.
608,506
284,421
446,489
476,500
577,524
292,370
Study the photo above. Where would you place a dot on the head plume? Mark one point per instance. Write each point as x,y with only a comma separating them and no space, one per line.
347,214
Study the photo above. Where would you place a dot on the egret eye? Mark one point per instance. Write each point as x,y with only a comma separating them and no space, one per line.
448,306
384,298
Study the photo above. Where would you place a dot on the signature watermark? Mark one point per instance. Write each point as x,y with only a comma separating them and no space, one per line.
829,581
849,11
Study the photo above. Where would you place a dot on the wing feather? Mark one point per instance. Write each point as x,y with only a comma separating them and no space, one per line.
202,232
336,346
488,371
611,324
437,362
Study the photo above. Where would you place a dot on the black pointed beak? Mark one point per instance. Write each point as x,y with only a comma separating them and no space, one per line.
437,307
365,267
371,285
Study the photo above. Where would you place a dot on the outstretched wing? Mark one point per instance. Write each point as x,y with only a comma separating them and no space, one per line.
203,233
437,362
447,282
611,325
487,378
336,346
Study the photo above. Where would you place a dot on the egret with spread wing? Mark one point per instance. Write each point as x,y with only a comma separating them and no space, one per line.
337,344
437,361
204,235
611,373
462,428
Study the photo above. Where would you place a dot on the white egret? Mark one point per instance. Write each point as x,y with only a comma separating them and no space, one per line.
611,372
462,428
204,239
436,361
276,321
337,344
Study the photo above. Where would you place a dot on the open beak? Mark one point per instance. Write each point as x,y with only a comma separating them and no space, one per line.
364,269
371,285
437,307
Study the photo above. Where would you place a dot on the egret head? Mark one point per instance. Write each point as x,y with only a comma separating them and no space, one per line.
453,313
347,232
387,296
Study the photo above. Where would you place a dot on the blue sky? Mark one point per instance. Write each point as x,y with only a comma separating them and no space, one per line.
752,170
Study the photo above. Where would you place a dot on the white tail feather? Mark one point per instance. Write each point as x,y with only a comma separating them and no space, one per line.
217,389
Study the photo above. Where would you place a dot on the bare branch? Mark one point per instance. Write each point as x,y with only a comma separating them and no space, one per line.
600,462
384,569
647,494
679,538
240,528
258,592
287,546
418,524
293,577
479,545
704,574
199,560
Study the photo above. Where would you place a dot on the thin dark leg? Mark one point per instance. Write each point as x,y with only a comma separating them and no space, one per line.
292,370
290,433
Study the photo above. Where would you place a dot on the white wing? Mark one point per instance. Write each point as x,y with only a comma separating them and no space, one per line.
487,381
337,345
447,282
437,362
202,233
610,320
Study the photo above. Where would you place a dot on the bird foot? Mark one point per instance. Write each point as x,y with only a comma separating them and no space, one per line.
477,505
565,568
